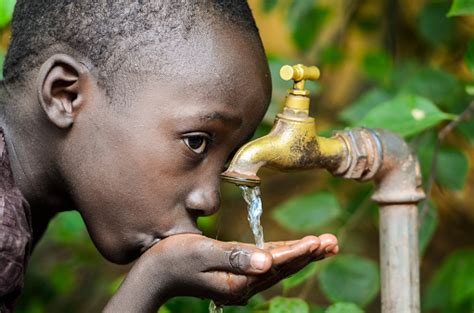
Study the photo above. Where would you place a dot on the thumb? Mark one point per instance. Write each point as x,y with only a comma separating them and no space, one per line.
239,258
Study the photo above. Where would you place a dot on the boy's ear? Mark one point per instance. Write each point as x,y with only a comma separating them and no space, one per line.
61,88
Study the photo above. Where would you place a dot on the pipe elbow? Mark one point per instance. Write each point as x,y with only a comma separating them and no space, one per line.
399,178
386,158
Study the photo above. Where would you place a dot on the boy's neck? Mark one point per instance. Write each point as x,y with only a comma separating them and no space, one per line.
33,171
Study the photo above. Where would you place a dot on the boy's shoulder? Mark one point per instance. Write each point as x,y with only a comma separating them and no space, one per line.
15,234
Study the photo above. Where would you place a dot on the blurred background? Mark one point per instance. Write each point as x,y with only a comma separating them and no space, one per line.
380,62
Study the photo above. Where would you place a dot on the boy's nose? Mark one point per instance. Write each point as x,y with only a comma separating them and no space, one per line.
202,202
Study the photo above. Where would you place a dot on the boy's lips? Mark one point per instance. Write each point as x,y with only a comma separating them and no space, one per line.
149,245
156,240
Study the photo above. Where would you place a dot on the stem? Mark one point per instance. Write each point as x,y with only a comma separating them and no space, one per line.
464,116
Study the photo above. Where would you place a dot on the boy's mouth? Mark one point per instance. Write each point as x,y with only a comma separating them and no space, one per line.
156,240
149,245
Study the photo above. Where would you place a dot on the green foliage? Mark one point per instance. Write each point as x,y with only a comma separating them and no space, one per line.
331,55
433,24
434,84
305,20
461,7
269,5
307,212
350,278
378,66
6,11
68,228
469,56
452,288
344,307
358,109
287,305
452,168
427,226
413,115
300,277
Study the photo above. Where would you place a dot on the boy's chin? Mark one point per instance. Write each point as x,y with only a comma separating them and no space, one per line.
122,253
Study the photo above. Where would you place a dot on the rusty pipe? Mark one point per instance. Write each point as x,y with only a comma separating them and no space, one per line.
388,160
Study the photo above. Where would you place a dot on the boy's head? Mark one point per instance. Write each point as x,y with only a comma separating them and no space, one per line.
136,105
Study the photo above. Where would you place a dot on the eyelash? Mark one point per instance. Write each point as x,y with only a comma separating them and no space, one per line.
203,146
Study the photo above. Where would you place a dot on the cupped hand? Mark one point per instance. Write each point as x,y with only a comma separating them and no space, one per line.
227,272
232,272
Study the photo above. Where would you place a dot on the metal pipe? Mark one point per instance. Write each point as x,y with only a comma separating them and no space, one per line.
384,157
399,261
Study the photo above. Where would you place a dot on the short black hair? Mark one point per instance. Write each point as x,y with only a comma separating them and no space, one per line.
102,30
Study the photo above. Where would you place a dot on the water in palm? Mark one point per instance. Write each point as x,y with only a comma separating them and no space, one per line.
254,212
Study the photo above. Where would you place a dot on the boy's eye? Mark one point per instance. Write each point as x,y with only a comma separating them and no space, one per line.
197,142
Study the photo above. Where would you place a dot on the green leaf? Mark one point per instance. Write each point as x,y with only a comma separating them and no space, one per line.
307,212
461,7
427,227
344,307
433,25
331,55
452,288
207,223
434,84
288,305
67,227
405,114
452,168
313,308
300,277
350,278
269,5
466,128
6,11
378,66
305,20
469,56
369,100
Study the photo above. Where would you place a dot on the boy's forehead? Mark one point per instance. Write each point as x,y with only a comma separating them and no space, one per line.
217,60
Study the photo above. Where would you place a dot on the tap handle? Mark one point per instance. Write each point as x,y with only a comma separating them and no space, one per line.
299,72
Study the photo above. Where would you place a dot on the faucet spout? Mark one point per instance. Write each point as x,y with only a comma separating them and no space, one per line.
292,143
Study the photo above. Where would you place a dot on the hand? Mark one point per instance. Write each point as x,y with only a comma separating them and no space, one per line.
227,272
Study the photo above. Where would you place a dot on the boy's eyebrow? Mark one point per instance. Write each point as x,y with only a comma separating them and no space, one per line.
222,117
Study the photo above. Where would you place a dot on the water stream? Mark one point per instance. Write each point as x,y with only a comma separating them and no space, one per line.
254,212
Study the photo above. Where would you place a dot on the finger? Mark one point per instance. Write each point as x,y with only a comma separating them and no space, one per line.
304,247
329,246
273,276
236,258
226,288
275,244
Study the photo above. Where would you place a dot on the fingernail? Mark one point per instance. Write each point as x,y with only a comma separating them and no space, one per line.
258,261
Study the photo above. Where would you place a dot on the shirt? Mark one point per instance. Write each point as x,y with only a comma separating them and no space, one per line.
15,234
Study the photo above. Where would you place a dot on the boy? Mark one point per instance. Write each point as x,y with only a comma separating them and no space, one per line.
127,111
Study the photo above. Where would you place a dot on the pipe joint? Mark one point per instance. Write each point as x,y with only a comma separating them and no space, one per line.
387,159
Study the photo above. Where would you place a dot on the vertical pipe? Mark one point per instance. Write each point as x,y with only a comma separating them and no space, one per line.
399,258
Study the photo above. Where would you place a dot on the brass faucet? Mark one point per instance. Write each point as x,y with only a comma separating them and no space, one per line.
293,142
